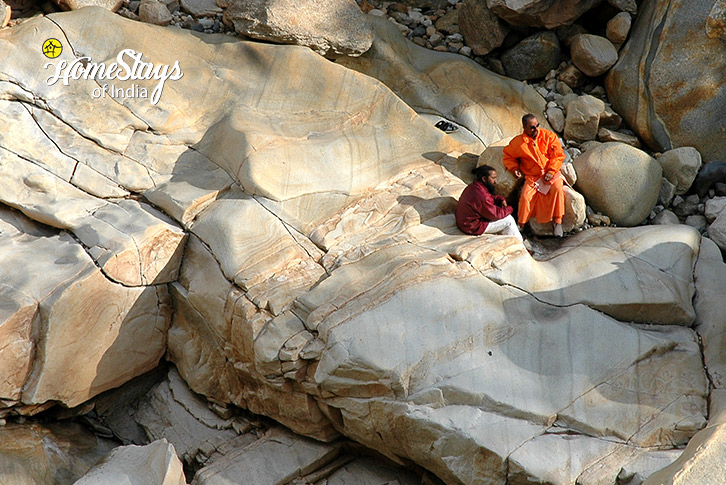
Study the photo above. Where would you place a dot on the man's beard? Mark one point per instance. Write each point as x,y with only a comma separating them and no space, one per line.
489,186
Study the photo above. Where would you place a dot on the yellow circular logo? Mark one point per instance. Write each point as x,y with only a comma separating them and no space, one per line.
52,48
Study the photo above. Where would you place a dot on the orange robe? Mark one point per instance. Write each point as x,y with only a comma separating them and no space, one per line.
534,158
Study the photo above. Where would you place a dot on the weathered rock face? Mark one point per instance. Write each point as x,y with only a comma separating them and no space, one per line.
620,181
327,26
445,84
73,310
549,14
48,455
669,93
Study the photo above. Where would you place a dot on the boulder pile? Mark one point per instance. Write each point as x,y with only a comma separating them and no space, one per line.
255,274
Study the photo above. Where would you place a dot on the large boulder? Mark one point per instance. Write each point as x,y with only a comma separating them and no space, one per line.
669,93
533,57
488,105
593,54
327,26
549,14
323,281
619,181
482,30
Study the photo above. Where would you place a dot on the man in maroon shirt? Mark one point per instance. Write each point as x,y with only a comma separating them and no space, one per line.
479,211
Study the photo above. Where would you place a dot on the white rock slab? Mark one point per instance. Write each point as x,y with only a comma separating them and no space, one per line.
153,464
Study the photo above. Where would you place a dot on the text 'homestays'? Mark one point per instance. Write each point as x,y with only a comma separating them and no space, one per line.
128,67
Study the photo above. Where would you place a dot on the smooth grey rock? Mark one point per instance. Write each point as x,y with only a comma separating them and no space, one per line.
533,57
556,117
667,192
666,217
605,135
620,181
326,26
153,464
714,207
717,231
593,54
680,167
583,118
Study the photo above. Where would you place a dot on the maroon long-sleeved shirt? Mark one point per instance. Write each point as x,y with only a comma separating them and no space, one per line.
477,207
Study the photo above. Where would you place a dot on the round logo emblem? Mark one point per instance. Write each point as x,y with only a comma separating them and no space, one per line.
52,48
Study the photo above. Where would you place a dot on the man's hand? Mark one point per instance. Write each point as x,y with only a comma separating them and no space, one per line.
548,176
517,173
504,203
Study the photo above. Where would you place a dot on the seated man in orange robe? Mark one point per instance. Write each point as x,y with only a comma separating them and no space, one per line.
537,155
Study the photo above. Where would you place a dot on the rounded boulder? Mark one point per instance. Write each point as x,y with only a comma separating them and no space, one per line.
619,181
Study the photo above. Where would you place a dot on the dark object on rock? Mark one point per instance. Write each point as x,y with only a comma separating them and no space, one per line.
708,175
446,127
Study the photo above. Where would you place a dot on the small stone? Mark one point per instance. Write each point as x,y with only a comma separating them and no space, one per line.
376,13
605,135
714,207
556,118
697,221
441,48
563,88
571,76
466,51
430,30
200,8
618,28
154,12
666,217
667,191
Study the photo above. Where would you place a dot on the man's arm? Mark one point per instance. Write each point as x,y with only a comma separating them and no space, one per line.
490,211
555,157
511,161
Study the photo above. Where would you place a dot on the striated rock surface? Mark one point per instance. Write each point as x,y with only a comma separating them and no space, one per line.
326,26
671,95
310,265
488,105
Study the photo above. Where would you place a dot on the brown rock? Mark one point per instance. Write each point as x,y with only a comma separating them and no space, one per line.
482,30
154,12
549,14
618,28
449,23
593,54
716,21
